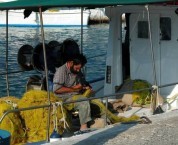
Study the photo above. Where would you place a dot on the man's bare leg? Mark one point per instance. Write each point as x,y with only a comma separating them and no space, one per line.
83,127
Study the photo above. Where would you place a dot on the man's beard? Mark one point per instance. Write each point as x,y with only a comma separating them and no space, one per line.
73,71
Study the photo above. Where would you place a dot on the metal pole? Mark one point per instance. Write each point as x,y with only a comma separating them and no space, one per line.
46,72
81,43
80,100
106,109
81,30
118,94
21,109
153,59
7,78
152,51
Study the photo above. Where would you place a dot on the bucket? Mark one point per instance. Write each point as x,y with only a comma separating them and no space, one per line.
55,136
4,137
34,83
24,57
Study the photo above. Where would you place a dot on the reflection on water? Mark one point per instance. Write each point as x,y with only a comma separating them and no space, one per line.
94,43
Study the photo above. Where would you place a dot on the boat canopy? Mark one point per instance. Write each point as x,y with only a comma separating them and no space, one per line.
24,4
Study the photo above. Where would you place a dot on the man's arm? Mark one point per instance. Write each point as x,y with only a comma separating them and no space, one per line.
63,89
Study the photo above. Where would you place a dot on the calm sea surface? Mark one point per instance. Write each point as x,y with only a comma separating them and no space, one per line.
94,43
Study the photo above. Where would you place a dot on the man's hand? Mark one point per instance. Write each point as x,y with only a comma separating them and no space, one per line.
87,87
77,87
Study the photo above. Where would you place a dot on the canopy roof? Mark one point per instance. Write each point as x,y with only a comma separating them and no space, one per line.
23,4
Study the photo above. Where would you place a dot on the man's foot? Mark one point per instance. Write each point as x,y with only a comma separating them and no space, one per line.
83,127
79,132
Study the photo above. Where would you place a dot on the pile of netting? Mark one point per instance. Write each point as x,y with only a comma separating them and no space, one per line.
139,97
98,110
36,119
142,97
31,125
12,121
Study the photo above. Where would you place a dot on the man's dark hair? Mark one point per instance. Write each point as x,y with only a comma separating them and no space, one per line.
78,59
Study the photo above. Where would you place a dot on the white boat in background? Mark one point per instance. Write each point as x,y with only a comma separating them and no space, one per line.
52,18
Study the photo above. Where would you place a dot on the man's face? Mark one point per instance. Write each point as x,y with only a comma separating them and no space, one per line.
75,69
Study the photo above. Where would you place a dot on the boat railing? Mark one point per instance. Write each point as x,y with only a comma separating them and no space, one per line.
86,99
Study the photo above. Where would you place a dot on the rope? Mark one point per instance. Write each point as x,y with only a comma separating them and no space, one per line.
55,117
14,105
153,57
63,116
151,46
55,106
155,88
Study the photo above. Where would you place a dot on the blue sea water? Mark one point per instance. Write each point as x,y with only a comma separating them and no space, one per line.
95,39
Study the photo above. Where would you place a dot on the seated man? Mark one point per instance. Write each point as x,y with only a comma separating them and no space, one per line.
66,85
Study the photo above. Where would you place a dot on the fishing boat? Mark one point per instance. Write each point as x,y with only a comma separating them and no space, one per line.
147,54
52,18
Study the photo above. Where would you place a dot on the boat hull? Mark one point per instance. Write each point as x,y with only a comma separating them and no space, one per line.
50,18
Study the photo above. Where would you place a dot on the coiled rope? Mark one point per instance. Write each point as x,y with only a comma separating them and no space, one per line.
55,119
